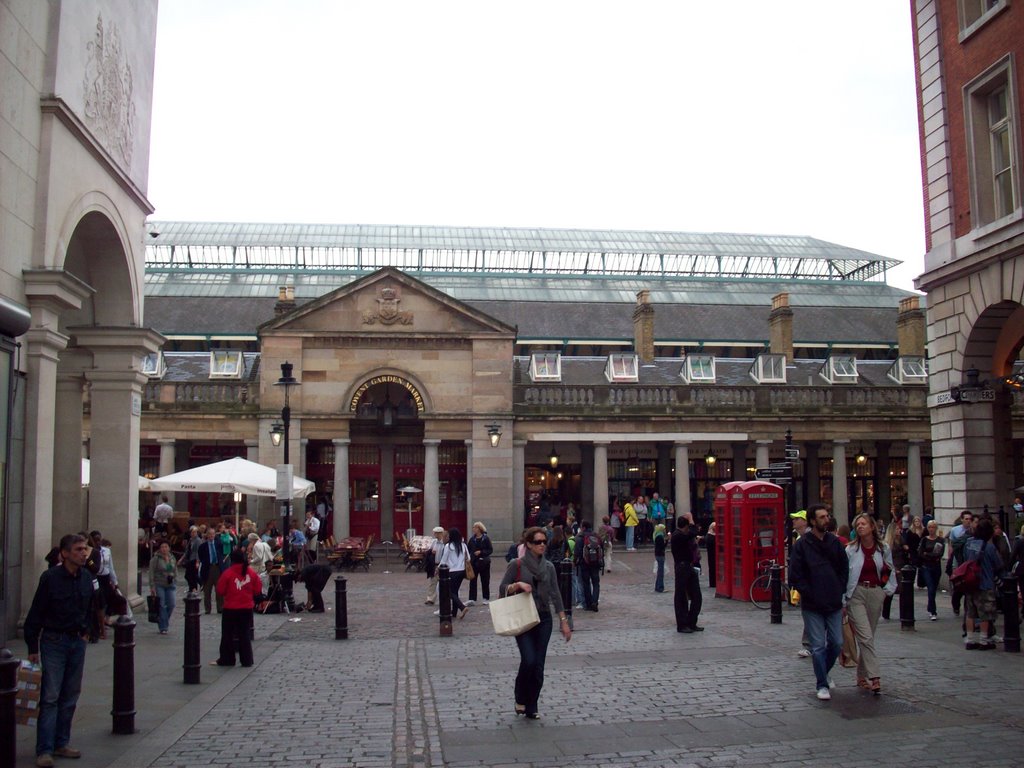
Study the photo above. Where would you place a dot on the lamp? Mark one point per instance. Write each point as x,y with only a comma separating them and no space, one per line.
710,458
276,433
494,433
861,457
287,381
238,501
553,457
633,463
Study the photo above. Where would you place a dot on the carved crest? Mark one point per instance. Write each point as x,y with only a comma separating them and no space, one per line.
109,98
388,313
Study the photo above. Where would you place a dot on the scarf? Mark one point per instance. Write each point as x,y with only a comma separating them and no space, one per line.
545,584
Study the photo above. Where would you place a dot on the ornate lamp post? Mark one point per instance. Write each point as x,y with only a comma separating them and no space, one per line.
279,432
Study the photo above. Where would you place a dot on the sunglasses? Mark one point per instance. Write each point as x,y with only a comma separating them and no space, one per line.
539,541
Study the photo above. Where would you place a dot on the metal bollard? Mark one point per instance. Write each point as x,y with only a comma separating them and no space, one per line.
565,587
907,597
192,665
123,711
340,609
776,588
1011,616
8,713
444,597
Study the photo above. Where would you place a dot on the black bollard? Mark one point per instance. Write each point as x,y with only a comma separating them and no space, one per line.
340,609
192,665
123,711
1011,616
776,589
444,597
565,587
907,597
8,711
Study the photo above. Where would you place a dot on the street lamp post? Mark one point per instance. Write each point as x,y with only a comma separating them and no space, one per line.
279,432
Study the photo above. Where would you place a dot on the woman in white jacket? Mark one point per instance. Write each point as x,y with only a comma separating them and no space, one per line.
871,579
454,555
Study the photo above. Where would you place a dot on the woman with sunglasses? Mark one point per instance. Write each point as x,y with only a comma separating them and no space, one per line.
534,574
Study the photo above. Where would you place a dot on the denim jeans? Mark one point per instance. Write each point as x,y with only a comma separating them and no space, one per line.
825,634
533,651
630,533
590,576
166,596
63,660
932,574
659,579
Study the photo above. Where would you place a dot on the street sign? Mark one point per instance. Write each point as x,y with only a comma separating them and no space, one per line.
792,453
779,465
778,474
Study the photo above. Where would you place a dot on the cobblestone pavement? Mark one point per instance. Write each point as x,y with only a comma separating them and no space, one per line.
627,691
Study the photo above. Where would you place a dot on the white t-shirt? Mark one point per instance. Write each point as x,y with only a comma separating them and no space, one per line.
455,559
163,513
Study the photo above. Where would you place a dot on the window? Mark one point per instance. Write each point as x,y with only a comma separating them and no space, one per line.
992,144
225,364
840,369
769,369
545,366
698,368
909,370
153,365
974,14
621,367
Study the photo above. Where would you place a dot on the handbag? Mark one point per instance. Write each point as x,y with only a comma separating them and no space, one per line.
153,606
470,573
850,654
513,615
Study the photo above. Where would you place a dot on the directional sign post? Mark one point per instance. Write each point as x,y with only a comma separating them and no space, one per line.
778,474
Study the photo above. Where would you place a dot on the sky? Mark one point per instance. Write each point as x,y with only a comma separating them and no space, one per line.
749,116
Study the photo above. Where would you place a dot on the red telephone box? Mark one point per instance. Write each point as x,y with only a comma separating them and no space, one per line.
749,517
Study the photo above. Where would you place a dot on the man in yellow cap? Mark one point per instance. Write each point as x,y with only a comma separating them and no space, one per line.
799,523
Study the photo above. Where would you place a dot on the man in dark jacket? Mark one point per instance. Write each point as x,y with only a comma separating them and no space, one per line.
686,559
819,569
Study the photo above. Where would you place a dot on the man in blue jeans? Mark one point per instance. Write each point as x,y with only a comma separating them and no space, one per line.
818,569
56,631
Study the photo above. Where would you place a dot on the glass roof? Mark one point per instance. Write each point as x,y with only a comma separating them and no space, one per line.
362,248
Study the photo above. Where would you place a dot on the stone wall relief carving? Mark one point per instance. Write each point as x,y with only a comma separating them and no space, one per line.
108,89
388,313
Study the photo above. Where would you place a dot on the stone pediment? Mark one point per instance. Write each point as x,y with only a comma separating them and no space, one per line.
389,302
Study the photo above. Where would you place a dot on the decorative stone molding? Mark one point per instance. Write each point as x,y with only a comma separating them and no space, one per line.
388,313
108,91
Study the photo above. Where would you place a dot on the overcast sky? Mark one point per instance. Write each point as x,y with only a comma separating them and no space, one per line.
752,116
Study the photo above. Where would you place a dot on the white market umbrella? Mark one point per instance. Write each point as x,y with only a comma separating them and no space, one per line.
143,481
231,476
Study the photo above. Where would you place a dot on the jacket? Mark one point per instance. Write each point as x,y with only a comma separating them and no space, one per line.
239,592
882,557
629,513
819,570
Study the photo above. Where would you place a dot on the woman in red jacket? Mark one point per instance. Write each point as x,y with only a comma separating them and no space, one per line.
238,585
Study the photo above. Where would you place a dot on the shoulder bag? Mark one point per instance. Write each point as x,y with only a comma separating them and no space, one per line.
470,573
513,615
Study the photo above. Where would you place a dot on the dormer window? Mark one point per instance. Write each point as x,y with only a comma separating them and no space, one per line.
769,369
909,370
153,365
621,367
545,366
225,364
840,369
698,368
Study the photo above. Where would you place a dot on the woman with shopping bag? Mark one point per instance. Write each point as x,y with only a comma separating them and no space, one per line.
535,575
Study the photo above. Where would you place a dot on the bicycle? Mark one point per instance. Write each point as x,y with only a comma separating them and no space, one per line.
761,586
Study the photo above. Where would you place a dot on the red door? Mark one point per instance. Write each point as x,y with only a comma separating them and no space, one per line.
364,490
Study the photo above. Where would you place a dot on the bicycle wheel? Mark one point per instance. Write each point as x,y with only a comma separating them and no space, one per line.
759,588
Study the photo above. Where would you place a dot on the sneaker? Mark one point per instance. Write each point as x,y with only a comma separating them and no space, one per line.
425,602
986,646
45,760
67,752
933,617
437,612
487,602
971,646
471,602
823,694
803,653
831,682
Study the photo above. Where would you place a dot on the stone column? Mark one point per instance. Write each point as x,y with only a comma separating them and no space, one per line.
116,396
518,487
431,486
168,446
883,480
43,349
68,495
341,501
469,488
915,485
682,493
587,482
840,499
763,455
252,450
600,481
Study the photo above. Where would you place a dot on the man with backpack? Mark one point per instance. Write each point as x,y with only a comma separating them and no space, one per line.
957,539
589,556
980,598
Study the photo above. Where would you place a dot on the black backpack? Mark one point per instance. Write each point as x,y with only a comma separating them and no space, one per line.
593,550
